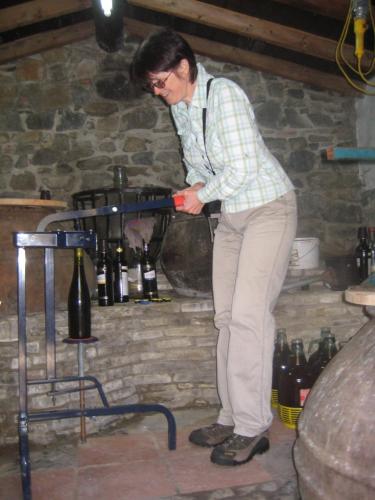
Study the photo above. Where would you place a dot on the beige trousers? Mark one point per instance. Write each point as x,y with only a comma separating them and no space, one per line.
250,261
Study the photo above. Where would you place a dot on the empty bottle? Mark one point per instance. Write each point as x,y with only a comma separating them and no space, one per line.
79,305
280,362
104,275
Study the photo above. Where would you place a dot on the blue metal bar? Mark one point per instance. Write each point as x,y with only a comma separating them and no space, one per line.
56,239
352,154
22,375
22,353
49,308
112,410
74,378
23,445
107,210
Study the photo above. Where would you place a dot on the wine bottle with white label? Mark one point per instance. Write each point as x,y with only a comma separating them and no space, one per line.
120,268
150,286
104,276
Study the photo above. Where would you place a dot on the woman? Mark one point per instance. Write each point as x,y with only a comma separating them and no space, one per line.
227,160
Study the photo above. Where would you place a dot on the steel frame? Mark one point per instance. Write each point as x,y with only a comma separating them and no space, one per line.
50,241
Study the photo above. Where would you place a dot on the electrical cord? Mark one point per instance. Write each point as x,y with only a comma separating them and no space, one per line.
362,9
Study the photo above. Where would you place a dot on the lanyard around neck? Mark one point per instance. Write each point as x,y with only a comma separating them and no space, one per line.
204,118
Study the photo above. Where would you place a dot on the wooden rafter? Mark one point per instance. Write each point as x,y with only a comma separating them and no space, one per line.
38,10
34,11
247,26
44,41
248,59
332,8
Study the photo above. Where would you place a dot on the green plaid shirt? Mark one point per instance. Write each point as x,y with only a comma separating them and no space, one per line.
247,174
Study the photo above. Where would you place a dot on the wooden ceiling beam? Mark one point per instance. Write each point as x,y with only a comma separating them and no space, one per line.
332,8
247,26
221,52
38,10
259,62
35,44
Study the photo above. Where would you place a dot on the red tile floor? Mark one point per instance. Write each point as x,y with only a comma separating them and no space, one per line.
134,463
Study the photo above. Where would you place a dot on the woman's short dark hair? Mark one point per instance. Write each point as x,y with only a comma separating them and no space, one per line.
162,51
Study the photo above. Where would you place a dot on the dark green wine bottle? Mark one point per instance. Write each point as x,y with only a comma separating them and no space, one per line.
104,276
150,286
79,304
120,268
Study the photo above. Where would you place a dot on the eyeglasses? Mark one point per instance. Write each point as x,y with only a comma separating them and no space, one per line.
159,84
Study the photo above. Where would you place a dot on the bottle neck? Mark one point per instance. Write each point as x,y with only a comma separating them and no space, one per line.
299,355
146,250
119,252
78,255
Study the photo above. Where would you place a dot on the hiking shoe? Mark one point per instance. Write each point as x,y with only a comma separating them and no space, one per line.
237,450
211,435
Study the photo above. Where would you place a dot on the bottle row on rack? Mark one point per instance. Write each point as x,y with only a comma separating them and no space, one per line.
293,375
112,275
365,252
112,285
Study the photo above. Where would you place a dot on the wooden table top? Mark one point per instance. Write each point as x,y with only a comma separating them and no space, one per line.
31,202
361,294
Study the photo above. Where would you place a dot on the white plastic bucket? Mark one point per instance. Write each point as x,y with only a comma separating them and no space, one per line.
305,253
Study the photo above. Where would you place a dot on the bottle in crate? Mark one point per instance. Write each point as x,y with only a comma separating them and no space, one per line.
280,361
294,387
328,351
315,354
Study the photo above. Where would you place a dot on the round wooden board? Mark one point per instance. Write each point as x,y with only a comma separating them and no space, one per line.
361,295
31,202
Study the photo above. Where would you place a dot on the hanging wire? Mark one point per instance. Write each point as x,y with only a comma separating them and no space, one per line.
362,10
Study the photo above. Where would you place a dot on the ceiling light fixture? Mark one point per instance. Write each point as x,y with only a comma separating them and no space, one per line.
107,7
109,24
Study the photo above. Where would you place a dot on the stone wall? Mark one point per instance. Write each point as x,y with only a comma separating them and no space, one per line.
365,108
159,353
68,115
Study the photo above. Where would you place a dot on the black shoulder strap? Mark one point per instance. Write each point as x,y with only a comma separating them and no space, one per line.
204,117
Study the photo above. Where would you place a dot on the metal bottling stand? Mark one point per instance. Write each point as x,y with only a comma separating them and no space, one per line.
50,241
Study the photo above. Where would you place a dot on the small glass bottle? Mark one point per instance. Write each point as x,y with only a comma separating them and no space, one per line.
363,254
149,282
104,275
371,237
120,179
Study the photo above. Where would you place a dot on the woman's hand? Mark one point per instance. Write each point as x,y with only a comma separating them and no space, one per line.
192,204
